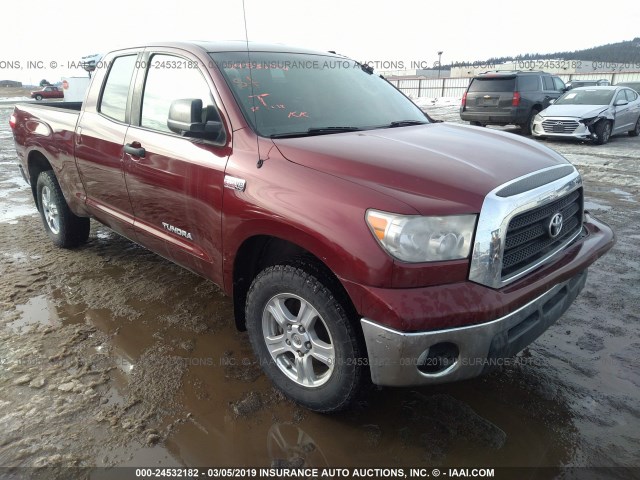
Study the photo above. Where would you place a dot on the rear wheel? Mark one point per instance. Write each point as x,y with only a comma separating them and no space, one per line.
636,130
477,124
63,227
304,338
603,132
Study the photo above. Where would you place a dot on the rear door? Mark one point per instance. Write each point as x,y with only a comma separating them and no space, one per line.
99,145
634,107
175,184
491,94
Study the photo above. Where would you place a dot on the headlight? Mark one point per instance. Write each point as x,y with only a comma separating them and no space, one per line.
538,118
412,238
589,121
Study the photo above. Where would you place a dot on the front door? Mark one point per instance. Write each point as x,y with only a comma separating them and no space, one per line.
175,183
622,113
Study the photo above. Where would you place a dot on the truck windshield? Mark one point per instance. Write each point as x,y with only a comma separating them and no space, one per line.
287,94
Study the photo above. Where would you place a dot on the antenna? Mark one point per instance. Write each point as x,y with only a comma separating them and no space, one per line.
253,97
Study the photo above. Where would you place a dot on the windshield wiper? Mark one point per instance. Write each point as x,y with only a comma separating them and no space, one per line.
321,130
316,131
406,123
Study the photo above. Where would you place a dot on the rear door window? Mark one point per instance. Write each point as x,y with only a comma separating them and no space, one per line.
493,85
529,83
113,103
548,83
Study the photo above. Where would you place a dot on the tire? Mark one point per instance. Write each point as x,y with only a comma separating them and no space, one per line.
38,97
304,338
636,130
64,228
603,132
477,124
527,127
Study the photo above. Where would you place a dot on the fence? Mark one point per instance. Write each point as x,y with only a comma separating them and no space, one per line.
455,87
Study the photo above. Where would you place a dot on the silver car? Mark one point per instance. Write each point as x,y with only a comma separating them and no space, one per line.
593,113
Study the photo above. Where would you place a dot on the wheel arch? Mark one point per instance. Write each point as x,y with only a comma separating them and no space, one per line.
36,164
261,251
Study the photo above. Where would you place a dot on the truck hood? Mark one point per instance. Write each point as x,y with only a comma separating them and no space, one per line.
576,111
438,168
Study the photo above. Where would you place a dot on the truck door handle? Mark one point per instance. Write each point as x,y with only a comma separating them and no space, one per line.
134,149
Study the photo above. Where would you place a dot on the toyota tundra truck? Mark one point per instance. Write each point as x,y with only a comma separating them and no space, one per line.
360,241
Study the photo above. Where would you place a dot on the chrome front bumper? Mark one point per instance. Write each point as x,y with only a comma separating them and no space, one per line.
399,359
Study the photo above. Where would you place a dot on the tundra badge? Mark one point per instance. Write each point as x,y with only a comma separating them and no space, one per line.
177,231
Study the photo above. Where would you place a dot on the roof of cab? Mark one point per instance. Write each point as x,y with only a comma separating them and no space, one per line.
237,46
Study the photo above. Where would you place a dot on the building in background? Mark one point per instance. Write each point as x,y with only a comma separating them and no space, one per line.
453,83
10,83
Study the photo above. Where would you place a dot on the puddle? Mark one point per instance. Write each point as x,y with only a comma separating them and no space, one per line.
42,310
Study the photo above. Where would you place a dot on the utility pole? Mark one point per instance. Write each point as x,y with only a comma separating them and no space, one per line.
439,62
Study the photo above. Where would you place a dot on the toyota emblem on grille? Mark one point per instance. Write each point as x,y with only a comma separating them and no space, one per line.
555,225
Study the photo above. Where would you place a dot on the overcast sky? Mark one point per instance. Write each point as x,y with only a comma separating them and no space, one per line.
406,30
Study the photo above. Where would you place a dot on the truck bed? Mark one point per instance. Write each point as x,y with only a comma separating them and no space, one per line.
47,131
65,106
58,116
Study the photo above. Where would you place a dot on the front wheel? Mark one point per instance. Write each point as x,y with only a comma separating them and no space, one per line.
603,132
304,338
527,127
636,130
63,227
38,97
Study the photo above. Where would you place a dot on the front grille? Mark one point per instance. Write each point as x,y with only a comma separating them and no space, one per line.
560,126
528,240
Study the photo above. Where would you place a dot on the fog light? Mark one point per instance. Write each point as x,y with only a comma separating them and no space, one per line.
438,358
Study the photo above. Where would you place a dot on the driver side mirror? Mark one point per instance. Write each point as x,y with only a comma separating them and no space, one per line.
189,119
552,101
620,103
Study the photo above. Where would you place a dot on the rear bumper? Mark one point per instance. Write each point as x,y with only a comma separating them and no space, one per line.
402,359
513,117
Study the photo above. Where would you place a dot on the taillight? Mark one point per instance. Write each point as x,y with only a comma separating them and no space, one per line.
515,101
12,121
464,99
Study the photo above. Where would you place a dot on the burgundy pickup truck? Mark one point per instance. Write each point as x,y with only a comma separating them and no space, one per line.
359,240
48,91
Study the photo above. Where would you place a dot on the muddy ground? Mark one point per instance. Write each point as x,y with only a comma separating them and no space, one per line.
112,356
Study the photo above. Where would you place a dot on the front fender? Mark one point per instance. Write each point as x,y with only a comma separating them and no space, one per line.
318,212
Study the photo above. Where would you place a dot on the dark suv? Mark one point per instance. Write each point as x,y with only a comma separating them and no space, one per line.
509,98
